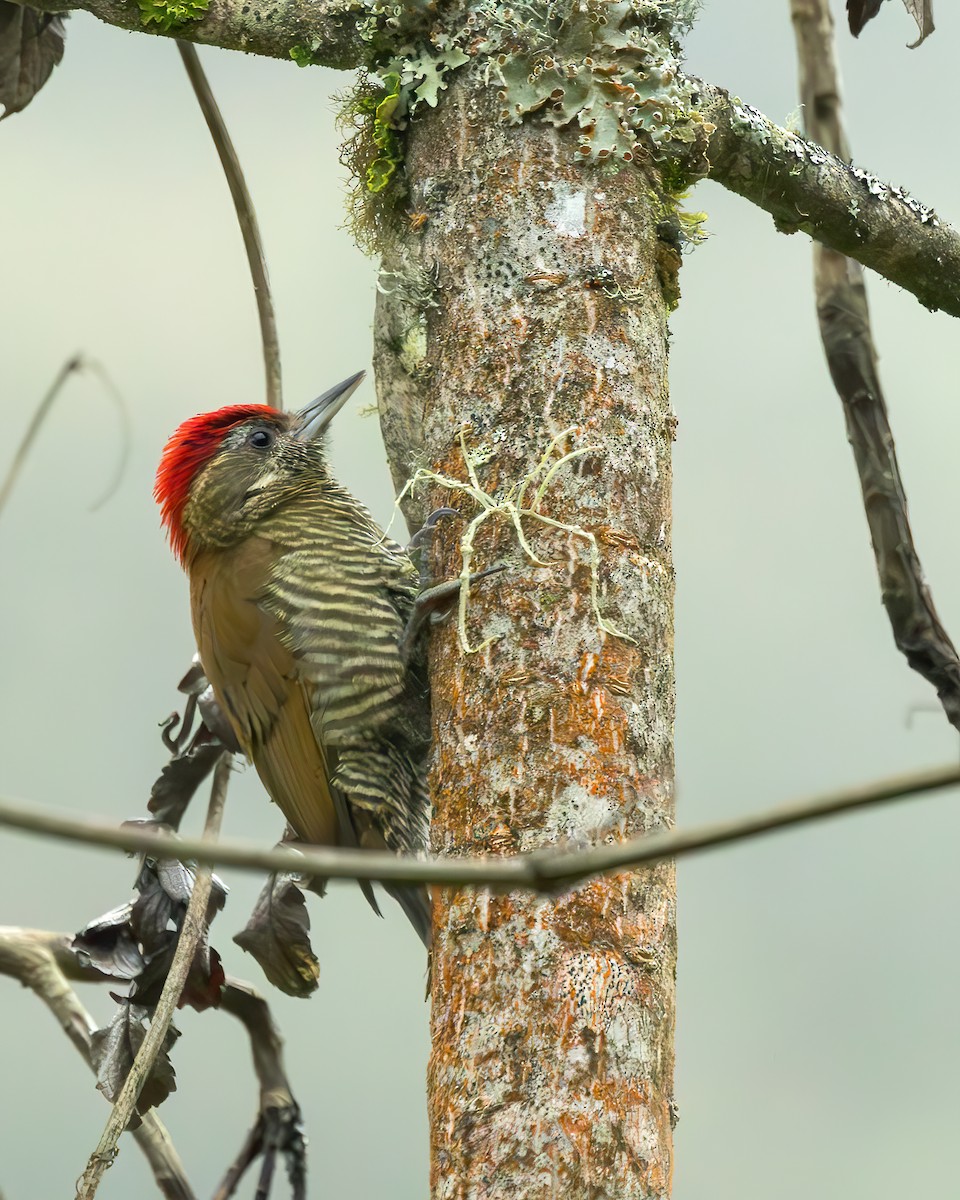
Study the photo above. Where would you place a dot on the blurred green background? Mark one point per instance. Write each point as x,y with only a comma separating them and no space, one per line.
817,1041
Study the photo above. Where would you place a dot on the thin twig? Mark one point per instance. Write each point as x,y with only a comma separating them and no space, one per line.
75,363
36,959
45,960
194,924
278,1128
246,217
244,1002
848,344
542,870
748,153
116,396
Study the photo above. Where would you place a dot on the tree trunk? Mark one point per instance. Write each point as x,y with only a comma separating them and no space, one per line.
552,1019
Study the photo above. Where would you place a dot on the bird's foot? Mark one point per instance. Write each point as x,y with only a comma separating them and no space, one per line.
434,604
419,542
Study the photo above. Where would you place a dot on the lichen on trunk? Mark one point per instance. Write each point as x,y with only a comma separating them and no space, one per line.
552,1019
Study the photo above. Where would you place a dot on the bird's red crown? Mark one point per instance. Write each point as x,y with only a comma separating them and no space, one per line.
194,443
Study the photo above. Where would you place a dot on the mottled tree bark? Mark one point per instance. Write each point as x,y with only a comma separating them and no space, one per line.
552,1020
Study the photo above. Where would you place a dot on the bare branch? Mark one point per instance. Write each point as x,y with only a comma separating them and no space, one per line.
194,924
806,188
74,363
802,186
42,962
327,28
278,1127
98,369
542,870
245,1003
246,216
848,344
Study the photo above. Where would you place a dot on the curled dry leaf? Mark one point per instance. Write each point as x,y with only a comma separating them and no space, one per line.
107,944
204,986
278,937
859,12
164,888
137,941
178,781
31,45
204,981
114,1048
922,13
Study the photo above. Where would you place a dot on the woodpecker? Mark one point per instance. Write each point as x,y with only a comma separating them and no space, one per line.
300,606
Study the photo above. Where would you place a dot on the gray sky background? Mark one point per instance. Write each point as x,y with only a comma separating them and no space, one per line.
817,1047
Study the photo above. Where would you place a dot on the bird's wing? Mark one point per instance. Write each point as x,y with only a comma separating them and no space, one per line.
344,597
303,653
251,665
343,625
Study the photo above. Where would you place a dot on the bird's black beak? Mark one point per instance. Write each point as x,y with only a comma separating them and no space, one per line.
313,420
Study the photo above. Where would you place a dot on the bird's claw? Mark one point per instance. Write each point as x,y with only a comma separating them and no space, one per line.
435,603
422,536
428,528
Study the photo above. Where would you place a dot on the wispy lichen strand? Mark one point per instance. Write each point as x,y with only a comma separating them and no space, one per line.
515,506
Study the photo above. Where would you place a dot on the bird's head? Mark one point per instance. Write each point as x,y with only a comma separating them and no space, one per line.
221,471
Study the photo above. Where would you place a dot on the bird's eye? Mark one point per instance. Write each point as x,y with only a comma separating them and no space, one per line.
261,439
